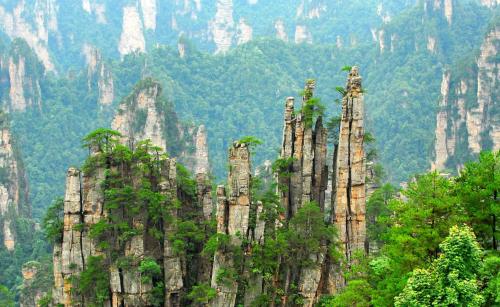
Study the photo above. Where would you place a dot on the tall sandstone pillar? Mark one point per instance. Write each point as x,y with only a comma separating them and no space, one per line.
233,213
304,142
349,200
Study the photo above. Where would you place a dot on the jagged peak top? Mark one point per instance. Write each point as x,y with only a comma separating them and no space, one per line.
354,81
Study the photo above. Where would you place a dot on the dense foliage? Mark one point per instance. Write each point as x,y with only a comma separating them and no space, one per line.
421,252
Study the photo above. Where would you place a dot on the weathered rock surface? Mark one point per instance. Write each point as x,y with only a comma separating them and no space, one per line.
85,206
32,287
349,202
13,186
99,74
139,118
21,71
222,26
132,37
35,30
468,113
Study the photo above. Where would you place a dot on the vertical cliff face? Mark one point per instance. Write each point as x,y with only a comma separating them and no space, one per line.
114,240
35,29
349,202
139,227
22,72
443,6
233,216
467,120
32,289
222,26
13,186
145,114
132,37
99,75
140,115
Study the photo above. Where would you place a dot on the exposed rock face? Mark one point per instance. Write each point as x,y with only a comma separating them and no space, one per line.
98,72
85,205
468,114
349,202
233,212
201,171
279,25
244,32
140,118
149,14
98,9
146,115
22,72
302,35
13,186
482,115
431,44
35,32
445,6
490,3
132,37
440,146
222,26
30,291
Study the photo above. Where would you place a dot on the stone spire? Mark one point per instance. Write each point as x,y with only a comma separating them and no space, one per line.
304,147
349,200
233,213
85,206
13,185
139,117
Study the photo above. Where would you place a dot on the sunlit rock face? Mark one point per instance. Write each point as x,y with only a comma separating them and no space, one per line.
222,26
132,37
468,114
13,186
98,72
35,31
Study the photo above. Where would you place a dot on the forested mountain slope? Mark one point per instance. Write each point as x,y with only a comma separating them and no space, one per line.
402,69
60,31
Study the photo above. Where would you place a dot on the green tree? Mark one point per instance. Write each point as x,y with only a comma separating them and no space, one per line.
452,280
6,297
53,221
477,187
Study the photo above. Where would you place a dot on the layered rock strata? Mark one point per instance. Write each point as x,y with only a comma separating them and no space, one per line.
350,173
86,208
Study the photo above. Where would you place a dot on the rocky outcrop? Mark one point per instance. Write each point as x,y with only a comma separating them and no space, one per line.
146,115
201,172
23,72
302,35
440,146
467,120
148,8
444,6
490,3
33,284
483,115
233,214
244,32
98,74
35,31
91,243
222,26
349,201
132,37
279,25
95,8
140,116
13,186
